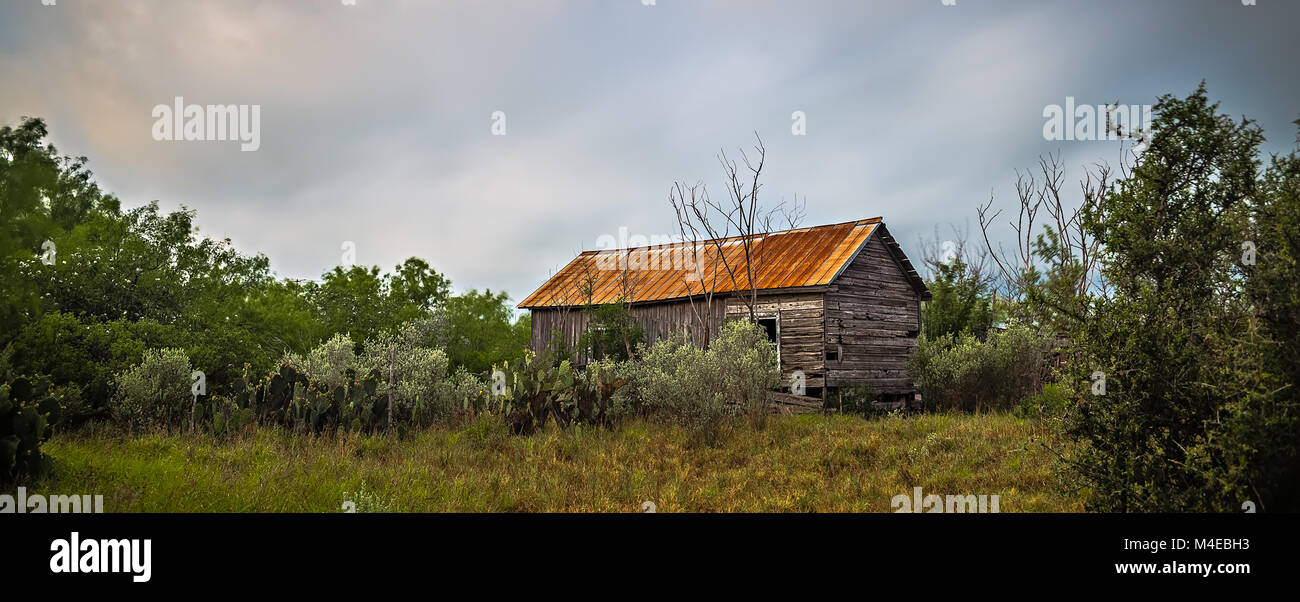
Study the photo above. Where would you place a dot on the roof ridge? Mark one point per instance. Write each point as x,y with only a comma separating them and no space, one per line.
737,237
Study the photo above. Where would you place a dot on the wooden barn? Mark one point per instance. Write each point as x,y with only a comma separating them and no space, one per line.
841,302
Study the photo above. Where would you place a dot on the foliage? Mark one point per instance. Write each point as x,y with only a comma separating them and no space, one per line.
745,365
854,399
611,332
465,392
479,331
672,380
116,282
332,363
408,374
365,303
677,381
960,303
1051,402
156,391
22,429
960,372
1197,344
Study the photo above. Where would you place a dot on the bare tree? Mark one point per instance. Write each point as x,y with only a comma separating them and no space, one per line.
578,291
684,199
627,288
937,251
1060,240
741,217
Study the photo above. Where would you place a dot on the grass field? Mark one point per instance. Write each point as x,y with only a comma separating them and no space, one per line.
799,463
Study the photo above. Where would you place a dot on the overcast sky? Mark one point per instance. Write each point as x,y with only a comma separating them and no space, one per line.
376,119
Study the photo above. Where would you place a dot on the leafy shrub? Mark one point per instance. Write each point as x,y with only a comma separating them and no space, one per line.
227,417
365,501
745,364
154,392
677,381
611,332
1198,343
672,379
960,372
22,429
854,399
330,363
415,372
462,391
421,396
1050,402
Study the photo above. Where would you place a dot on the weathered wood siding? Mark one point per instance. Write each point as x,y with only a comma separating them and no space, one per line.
800,316
659,320
873,316
869,316
800,319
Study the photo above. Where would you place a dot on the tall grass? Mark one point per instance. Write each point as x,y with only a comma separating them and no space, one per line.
803,463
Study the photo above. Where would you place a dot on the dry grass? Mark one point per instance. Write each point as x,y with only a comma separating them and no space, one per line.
799,464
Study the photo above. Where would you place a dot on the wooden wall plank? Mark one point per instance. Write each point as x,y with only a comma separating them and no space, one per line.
872,320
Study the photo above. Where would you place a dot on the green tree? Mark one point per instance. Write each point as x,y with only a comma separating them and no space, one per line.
1192,416
960,302
42,195
611,332
478,331
365,303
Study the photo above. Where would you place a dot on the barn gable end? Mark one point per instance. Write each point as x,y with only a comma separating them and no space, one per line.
873,318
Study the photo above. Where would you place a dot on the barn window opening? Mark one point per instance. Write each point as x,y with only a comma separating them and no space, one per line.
833,355
773,330
769,325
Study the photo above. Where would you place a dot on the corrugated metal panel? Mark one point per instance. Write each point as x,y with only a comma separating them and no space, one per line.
786,259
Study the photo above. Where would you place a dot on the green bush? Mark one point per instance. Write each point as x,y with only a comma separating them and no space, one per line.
420,394
854,399
611,332
329,363
227,417
672,379
677,381
154,392
960,372
745,365
462,391
1050,402
22,429
1197,339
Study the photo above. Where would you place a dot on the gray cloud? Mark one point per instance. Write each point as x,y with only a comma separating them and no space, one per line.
376,118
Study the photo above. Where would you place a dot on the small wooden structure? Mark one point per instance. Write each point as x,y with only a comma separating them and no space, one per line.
841,302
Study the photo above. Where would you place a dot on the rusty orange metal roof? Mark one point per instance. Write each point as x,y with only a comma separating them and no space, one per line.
795,258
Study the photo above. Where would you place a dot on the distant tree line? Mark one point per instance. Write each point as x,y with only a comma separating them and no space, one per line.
89,287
